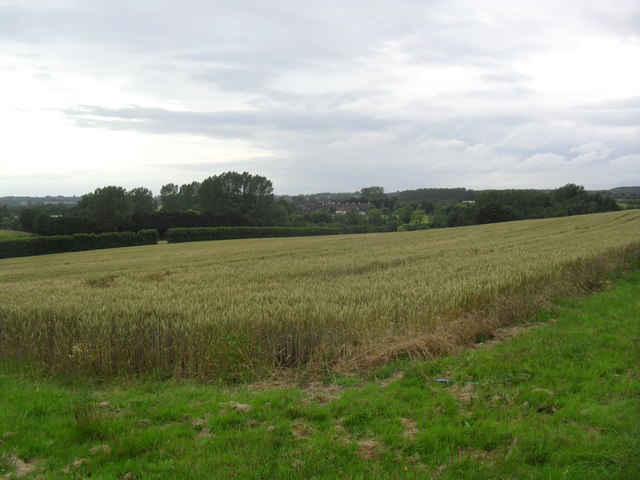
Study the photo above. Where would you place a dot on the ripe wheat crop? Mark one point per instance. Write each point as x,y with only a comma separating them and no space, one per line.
239,308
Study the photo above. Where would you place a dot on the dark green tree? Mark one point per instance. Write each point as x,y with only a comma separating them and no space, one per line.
27,216
142,202
374,195
237,198
188,196
169,197
374,217
495,212
403,213
108,208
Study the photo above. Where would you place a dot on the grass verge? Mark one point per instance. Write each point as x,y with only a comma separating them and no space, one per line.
557,401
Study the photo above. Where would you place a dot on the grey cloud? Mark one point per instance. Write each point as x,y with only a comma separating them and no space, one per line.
235,70
158,120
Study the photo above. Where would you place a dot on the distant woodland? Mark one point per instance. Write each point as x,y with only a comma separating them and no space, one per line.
244,199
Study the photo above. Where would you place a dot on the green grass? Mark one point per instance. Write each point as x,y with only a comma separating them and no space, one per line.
244,308
557,401
13,234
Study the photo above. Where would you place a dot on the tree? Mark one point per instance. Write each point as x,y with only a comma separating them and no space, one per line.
495,212
567,192
417,216
403,213
169,197
374,195
141,201
237,198
374,217
188,196
108,208
27,216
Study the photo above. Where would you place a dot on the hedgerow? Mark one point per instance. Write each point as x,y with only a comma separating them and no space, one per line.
177,235
41,245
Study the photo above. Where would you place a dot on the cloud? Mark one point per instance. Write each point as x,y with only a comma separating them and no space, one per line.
590,152
545,161
329,95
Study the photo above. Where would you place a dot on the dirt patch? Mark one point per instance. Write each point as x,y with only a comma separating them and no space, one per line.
368,449
410,428
393,378
465,393
204,433
105,449
342,435
199,423
302,431
21,467
320,393
506,333
238,407
76,464
317,392
475,453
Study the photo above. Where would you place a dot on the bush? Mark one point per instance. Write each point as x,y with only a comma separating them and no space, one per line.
24,247
176,235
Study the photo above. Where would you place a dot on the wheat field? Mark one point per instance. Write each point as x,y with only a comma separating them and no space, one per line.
245,308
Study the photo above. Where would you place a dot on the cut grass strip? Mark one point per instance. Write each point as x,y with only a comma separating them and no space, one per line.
557,401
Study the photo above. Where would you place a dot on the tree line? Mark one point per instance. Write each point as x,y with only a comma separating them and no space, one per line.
233,199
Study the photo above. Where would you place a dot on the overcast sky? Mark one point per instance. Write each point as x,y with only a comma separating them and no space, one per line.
319,95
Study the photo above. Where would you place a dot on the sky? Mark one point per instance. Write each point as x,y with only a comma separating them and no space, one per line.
331,95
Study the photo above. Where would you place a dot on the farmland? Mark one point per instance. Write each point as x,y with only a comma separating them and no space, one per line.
12,234
559,400
236,310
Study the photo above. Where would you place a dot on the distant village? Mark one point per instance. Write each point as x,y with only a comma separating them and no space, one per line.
336,207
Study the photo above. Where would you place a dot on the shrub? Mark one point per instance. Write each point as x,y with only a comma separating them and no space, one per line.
176,235
24,247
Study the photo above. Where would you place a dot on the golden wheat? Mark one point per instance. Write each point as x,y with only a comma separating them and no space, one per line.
229,308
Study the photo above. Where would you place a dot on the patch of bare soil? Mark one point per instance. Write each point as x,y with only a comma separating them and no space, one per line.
21,467
76,464
465,393
393,378
238,407
410,428
320,393
475,453
504,334
204,433
368,449
317,392
302,431
341,435
105,449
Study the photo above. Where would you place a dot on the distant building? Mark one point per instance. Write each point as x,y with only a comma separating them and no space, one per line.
336,207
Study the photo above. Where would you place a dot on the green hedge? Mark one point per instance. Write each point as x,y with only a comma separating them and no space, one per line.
176,235
25,247
411,227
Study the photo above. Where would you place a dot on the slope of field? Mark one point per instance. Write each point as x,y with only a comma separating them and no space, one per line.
233,309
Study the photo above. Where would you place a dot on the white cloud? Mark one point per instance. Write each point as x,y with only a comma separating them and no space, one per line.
364,140
590,152
411,93
545,161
